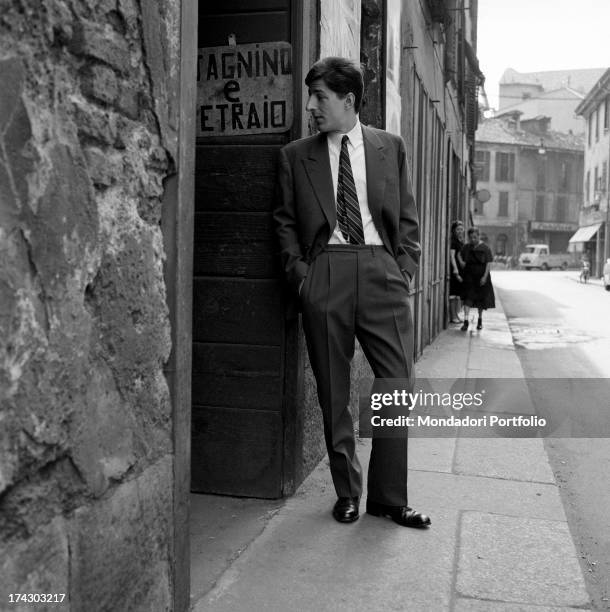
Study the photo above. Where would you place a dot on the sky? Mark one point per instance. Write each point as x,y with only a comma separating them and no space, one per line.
534,35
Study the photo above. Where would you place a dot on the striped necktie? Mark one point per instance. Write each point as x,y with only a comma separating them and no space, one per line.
348,209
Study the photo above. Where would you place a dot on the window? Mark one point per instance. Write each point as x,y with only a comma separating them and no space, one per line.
588,187
596,180
562,205
597,123
501,240
482,162
503,204
539,208
603,181
606,111
505,167
564,176
590,130
541,174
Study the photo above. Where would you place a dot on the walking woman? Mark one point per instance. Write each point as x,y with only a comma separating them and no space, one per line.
456,263
478,292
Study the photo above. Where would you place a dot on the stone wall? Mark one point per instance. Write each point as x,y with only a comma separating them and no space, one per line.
88,136
340,28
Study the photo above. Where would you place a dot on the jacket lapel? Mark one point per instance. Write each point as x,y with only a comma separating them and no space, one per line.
375,173
317,166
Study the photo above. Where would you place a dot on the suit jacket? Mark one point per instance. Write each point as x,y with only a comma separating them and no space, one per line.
305,213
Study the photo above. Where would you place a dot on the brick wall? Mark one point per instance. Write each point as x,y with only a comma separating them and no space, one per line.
87,137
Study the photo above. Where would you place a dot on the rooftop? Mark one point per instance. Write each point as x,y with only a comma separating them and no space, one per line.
501,130
598,92
580,80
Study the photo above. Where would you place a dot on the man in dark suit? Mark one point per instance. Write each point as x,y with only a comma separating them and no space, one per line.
349,237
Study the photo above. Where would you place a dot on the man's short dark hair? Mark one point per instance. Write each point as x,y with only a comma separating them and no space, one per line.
340,75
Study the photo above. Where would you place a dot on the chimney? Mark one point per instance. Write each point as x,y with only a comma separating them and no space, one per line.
537,125
513,118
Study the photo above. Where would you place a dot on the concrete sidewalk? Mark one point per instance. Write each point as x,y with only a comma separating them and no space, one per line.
499,539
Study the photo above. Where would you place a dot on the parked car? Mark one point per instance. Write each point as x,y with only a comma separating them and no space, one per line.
607,275
539,256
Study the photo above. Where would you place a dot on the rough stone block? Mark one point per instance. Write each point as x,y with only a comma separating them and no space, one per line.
38,496
100,83
8,459
15,133
152,185
106,452
104,168
65,211
93,123
129,10
11,77
121,546
37,565
101,43
128,101
60,22
157,159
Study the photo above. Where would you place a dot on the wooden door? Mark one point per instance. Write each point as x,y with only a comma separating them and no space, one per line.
238,330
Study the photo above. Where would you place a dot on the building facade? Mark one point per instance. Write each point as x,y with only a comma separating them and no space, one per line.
592,238
551,93
534,178
145,343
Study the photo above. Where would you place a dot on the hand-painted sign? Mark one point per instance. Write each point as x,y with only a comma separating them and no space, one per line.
551,226
244,89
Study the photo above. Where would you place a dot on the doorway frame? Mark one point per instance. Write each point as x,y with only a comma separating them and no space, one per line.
177,228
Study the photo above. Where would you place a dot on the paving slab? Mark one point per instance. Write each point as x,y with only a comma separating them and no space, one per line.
221,528
432,454
507,458
474,605
443,495
305,559
519,560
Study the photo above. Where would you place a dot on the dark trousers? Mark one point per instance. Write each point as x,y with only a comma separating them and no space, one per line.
358,292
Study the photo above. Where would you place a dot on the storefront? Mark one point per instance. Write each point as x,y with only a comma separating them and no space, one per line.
588,242
556,235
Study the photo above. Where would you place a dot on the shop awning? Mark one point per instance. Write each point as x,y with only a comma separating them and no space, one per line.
584,234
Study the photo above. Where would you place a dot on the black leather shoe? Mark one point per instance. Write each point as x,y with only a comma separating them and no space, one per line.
346,509
403,515
464,325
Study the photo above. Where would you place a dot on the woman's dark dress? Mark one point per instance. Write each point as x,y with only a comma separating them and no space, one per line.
455,286
475,261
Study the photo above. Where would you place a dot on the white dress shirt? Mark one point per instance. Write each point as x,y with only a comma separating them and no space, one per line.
355,148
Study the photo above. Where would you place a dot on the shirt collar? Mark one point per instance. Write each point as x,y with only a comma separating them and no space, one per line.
354,135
